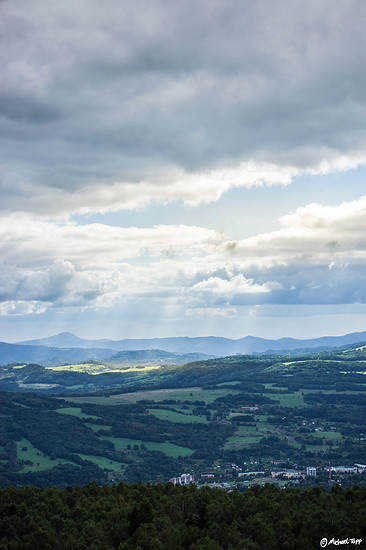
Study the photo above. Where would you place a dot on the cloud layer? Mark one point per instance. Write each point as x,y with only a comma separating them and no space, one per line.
109,107
318,256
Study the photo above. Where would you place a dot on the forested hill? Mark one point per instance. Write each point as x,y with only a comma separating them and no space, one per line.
167,517
121,370
54,356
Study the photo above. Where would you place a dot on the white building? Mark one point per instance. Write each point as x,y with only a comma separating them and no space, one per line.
342,469
184,479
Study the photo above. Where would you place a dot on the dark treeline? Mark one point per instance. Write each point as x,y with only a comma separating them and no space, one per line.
138,516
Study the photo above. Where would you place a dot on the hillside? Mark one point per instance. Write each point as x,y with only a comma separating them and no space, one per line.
221,417
53,356
16,353
156,367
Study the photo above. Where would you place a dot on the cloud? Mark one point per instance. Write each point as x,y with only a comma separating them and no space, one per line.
35,243
236,285
317,256
103,109
69,265
314,234
205,312
59,285
21,307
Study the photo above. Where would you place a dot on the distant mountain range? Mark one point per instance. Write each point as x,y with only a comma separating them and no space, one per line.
210,345
66,348
49,356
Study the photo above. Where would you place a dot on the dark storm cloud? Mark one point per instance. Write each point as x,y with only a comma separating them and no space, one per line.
94,94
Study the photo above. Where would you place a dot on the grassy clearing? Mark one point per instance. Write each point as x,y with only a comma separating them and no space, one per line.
264,480
295,444
328,435
169,449
233,383
89,368
92,399
237,442
246,429
104,463
262,417
288,399
40,460
76,411
173,416
156,395
184,394
97,427
273,386
312,448
102,368
139,368
183,408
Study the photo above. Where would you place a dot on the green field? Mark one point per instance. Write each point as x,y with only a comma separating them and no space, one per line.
169,449
237,442
271,386
185,408
104,463
99,368
97,427
288,399
184,394
173,416
76,411
232,383
89,368
246,429
328,435
92,399
262,417
264,480
295,444
40,460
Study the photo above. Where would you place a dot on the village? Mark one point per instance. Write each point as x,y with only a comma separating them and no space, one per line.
232,476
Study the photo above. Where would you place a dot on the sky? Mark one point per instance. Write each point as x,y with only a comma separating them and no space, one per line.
182,168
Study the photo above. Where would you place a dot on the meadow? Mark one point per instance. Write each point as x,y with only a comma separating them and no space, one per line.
183,394
174,416
168,449
28,453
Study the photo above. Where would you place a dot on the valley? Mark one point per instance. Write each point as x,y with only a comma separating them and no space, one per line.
221,419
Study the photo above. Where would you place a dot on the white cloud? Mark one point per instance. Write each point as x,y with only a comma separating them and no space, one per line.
314,234
317,256
236,285
20,307
205,312
33,242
